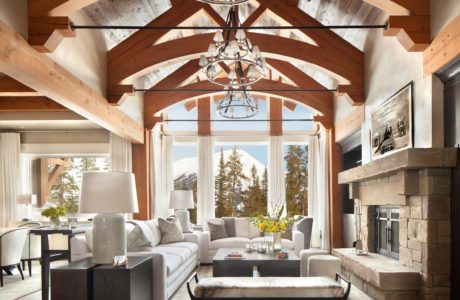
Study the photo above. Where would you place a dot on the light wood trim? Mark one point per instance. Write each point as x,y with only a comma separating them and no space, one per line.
413,32
326,121
20,61
27,104
290,105
48,179
335,191
190,105
390,7
444,49
141,170
350,124
204,113
276,113
12,88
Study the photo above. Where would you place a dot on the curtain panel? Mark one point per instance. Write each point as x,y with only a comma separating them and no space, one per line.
120,154
10,174
205,190
276,182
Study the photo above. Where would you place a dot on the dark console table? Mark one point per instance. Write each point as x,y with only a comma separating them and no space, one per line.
84,279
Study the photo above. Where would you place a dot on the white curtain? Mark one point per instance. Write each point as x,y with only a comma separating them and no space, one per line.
166,181
24,211
205,191
276,186
318,191
120,154
155,168
10,174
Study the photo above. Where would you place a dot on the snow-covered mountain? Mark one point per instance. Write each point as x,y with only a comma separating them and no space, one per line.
187,166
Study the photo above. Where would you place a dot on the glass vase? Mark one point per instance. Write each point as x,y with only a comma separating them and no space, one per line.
55,222
275,239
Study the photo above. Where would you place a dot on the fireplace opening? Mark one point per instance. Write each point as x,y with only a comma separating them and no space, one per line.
387,230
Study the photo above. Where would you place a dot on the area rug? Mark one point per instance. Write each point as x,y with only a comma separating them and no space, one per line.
14,287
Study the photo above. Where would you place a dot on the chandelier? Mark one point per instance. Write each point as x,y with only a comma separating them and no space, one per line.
237,104
245,62
224,2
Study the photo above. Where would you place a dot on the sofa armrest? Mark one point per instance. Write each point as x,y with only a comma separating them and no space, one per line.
298,239
79,246
191,238
205,240
159,273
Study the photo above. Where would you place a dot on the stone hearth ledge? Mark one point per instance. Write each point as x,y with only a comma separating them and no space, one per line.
416,158
380,271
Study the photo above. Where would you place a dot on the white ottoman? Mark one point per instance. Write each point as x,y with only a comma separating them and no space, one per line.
305,255
323,265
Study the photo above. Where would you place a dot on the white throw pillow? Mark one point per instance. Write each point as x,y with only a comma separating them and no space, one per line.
155,236
242,227
137,239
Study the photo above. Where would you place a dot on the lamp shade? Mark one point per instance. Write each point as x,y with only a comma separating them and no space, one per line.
108,192
181,200
26,199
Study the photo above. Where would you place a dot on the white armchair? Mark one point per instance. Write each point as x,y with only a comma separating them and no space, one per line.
32,246
11,245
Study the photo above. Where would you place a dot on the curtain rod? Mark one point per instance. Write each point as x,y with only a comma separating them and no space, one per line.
240,120
235,90
300,27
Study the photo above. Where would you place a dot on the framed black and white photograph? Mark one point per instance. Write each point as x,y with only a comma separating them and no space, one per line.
392,124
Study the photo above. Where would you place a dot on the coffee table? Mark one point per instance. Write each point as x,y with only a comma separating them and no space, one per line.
255,264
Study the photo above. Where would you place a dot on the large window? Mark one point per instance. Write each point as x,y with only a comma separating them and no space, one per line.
296,178
256,123
185,169
66,189
240,179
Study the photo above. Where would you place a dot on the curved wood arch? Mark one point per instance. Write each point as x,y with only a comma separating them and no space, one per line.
273,46
154,102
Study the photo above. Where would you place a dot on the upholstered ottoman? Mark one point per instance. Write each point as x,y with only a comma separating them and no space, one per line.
305,255
268,288
323,265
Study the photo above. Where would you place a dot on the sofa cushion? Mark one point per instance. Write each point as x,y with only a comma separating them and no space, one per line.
230,226
285,243
242,227
154,233
253,231
212,220
171,231
217,231
231,242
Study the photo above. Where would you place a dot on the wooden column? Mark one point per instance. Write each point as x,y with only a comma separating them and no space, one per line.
141,170
335,192
276,113
204,113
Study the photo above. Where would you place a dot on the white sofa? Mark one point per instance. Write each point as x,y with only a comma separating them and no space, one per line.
241,232
172,263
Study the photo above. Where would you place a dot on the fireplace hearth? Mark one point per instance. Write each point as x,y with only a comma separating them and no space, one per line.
404,202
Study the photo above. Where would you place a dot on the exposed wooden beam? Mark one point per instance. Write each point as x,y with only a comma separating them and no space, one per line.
12,88
47,178
29,104
141,170
119,93
177,77
349,124
290,105
326,121
190,105
409,22
335,191
444,49
151,121
287,49
37,71
204,113
353,93
157,101
276,113
127,49
255,16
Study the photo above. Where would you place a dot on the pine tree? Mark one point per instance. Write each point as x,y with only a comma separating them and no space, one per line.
235,176
296,180
255,202
222,207
65,191
264,186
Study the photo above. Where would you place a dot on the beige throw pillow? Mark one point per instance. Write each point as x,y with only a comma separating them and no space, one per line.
217,231
171,231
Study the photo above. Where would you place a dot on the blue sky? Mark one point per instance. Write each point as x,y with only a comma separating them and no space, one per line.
258,152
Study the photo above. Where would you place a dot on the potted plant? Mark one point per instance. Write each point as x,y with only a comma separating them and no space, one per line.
273,224
54,213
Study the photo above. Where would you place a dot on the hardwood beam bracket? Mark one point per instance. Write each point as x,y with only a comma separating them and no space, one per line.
118,93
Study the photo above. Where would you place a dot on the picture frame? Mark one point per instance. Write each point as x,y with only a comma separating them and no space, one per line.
392,127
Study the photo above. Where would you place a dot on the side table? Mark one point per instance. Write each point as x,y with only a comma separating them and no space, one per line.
98,282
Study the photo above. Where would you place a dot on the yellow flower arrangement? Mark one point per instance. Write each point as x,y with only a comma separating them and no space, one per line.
273,222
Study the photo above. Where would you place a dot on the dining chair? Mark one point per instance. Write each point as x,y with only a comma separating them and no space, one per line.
11,245
32,246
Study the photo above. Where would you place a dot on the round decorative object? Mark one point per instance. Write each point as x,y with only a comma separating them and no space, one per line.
224,2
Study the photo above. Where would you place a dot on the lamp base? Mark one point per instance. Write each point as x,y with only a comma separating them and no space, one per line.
183,216
109,237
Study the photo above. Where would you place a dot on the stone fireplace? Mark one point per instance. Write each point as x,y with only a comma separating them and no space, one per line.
417,184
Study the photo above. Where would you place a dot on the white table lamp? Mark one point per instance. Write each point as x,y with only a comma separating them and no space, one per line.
109,194
27,200
180,201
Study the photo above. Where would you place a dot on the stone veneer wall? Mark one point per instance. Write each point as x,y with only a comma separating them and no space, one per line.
425,235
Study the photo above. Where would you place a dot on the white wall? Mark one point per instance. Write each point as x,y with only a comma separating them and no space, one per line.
442,13
14,14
